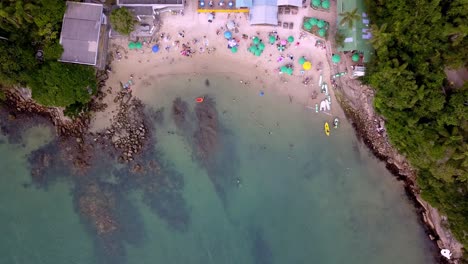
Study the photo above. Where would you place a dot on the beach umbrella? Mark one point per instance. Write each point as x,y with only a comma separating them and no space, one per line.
290,39
307,26
253,48
313,21
258,53
307,65
320,23
131,45
316,3
234,49
228,34
272,39
301,60
355,57
284,42
261,46
322,32
155,48
284,69
256,40
280,47
336,58
138,45
326,4
289,71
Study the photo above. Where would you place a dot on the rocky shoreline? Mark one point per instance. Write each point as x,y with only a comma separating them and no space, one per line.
357,103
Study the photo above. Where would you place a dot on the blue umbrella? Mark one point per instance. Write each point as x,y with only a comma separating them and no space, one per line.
155,48
228,34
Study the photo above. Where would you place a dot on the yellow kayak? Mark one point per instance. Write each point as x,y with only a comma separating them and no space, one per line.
327,129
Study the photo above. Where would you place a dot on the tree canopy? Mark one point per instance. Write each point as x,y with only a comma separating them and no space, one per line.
29,26
122,20
426,118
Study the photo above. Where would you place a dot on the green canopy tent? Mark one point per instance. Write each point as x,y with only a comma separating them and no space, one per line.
256,40
326,4
138,45
290,39
271,39
313,21
131,45
320,23
253,49
289,71
284,69
302,60
258,53
316,3
322,32
234,49
355,57
307,26
261,46
336,58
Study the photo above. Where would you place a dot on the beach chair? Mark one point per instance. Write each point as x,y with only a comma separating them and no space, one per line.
287,10
280,10
285,25
291,25
280,23
294,10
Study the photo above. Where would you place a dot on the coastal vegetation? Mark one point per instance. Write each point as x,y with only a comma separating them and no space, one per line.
426,116
30,48
122,20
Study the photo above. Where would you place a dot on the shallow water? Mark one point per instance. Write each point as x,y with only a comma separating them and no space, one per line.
303,198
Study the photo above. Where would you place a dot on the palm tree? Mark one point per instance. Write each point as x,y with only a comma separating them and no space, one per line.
349,17
379,36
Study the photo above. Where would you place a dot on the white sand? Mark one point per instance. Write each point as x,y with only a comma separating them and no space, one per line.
259,72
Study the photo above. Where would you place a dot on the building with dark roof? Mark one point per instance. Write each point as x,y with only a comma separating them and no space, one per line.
81,32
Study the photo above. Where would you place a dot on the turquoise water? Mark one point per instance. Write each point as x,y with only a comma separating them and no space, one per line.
303,198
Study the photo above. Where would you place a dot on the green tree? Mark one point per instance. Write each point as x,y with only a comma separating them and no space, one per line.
339,39
349,17
62,84
122,20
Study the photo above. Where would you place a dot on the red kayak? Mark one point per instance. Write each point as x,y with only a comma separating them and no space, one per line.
199,99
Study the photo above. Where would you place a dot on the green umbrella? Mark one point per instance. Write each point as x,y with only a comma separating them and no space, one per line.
289,71
253,49
312,21
138,45
320,23
307,26
336,58
258,53
256,40
131,45
322,32
326,4
284,69
261,46
234,49
290,39
355,57
302,60
272,39
316,3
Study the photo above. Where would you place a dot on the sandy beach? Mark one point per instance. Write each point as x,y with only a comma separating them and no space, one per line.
211,55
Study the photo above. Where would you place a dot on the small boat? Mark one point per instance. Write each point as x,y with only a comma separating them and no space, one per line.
316,108
199,99
336,122
327,129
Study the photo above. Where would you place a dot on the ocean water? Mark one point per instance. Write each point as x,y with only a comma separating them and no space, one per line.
280,191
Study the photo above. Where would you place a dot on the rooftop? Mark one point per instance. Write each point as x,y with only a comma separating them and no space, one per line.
357,37
80,33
